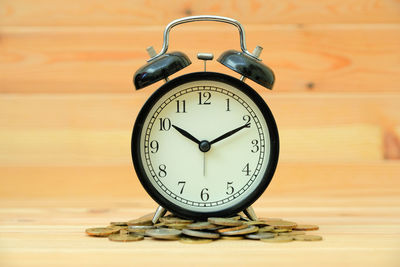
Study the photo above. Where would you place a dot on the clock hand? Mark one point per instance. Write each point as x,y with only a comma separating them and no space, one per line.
204,164
247,125
186,134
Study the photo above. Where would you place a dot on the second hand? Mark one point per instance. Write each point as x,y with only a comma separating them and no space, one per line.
204,164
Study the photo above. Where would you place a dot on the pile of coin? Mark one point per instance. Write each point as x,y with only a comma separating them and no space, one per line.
238,227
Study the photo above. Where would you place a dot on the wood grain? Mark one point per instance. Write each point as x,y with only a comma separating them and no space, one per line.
156,12
357,231
67,106
118,111
71,130
316,58
89,147
303,179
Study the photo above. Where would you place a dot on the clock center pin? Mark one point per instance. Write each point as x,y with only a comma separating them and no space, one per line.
204,146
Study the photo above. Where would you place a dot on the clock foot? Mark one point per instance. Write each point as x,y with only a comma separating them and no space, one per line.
249,212
160,212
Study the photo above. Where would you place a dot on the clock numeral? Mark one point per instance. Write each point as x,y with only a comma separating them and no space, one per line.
227,105
165,124
180,106
182,183
162,171
229,188
246,169
204,194
256,147
246,118
154,146
204,98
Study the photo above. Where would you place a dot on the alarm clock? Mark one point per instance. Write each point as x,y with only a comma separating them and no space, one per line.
205,144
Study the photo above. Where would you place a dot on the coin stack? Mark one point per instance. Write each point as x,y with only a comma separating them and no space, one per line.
171,227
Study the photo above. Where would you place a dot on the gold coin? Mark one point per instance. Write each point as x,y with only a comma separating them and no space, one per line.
224,221
201,234
257,236
124,232
118,223
200,226
117,227
293,233
278,239
270,219
306,227
164,233
250,229
282,230
266,229
125,237
159,224
217,227
238,237
282,224
175,220
258,223
144,220
308,237
178,226
243,226
101,231
140,229
195,240
237,217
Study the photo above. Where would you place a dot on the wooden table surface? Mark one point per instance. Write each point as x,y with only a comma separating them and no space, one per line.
357,231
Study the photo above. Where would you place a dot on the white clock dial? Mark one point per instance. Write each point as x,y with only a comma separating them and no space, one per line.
178,127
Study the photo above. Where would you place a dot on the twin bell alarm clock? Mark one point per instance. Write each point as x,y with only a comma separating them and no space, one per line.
205,144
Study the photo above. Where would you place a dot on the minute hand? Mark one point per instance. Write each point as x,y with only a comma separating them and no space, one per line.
247,125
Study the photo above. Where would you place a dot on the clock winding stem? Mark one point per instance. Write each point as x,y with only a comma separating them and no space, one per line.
205,57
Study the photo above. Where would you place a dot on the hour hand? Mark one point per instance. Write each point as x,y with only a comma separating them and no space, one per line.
247,125
186,134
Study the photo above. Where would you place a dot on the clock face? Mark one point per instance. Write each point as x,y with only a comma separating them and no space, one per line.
205,144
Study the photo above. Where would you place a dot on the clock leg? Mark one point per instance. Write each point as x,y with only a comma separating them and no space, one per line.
160,212
250,213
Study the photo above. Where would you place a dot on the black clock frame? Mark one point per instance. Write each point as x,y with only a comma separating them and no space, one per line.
144,113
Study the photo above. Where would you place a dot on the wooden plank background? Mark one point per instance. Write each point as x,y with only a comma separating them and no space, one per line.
318,58
67,104
157,12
